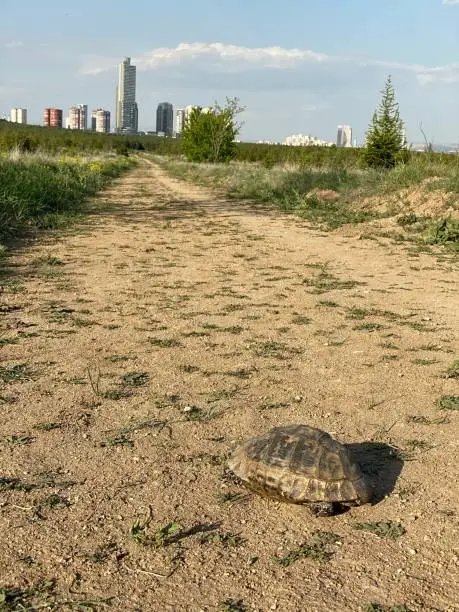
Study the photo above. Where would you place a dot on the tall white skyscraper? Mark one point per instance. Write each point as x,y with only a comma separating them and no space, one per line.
78,117
100,120
344,137
179,120
18,115
127,117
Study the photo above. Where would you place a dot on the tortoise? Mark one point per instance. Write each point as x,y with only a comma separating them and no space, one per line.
301,465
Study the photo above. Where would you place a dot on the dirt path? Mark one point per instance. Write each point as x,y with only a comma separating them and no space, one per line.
201,322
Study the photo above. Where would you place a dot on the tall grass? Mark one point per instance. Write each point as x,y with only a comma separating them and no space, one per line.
297,188
38,190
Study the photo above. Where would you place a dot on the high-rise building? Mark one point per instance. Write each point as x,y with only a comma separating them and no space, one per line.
78,117
52,117
18,115
179,120
187,112
165,119
127,114
100,120
344,137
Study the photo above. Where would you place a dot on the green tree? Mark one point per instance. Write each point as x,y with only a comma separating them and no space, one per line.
385,144
209,134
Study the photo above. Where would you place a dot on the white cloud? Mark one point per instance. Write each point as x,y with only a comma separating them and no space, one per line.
224,58
450,1
14,44
267,57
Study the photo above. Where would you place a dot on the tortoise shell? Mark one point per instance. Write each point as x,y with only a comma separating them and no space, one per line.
300,464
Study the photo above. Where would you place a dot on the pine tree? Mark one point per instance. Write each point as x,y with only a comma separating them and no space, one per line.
385,144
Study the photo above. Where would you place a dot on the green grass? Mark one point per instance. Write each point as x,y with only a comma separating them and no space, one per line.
389,530
318,548
296,181
448,402
47,192
19,372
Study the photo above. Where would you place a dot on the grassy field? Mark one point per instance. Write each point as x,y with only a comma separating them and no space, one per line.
38,190
335,196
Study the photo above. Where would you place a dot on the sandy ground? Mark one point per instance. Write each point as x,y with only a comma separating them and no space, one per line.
172,325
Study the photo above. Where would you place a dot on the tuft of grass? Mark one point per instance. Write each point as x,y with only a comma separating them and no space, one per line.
8,483
318,548
453,370
232,605
135,379
389,530
8,399
275,350
189,369
301,320
161,537
448,402
324,282
16,373
115,394
17,440
233,497
47,426
422,420
194,413
116,441
53,501
164,342
28,598
370,327
444,232
421,361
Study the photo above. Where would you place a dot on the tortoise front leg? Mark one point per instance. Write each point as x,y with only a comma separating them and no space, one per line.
323,508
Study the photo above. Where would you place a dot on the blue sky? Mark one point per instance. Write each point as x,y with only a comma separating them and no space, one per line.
299,66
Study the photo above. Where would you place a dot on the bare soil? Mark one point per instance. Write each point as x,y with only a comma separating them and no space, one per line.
139,348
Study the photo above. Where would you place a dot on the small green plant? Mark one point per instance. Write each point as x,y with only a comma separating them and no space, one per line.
116,441
318,548
53,501
8,483
232,605
448,402
161,537
164,342
28,598
19,372
18,440
194,413
407,219
453,370
389,529
135,379
444,232
301,320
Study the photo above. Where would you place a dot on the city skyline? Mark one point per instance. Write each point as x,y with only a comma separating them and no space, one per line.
293,70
